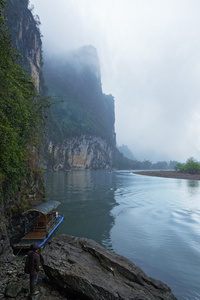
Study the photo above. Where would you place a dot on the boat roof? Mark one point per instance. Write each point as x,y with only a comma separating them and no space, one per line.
44,208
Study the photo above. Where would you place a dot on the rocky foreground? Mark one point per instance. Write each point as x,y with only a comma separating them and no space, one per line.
84,268
170,174
14,283
80,269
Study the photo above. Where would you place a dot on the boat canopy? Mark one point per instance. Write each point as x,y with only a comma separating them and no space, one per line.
44,208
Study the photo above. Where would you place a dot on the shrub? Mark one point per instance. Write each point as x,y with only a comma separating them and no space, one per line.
191,166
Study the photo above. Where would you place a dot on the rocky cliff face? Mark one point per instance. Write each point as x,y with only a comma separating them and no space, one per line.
81,133
26,38
82,152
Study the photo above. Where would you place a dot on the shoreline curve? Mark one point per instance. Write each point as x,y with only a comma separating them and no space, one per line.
169,174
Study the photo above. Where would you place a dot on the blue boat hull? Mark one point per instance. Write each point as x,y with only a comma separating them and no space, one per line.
26,243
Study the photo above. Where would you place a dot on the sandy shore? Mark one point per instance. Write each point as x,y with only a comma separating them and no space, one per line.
169,174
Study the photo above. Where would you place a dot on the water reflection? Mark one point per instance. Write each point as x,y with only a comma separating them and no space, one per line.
155,222
87,199
193,187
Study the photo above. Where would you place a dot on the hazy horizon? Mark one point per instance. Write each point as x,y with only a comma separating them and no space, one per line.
149,59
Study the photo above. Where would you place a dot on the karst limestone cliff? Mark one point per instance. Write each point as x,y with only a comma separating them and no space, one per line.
81,133
26,38
83,152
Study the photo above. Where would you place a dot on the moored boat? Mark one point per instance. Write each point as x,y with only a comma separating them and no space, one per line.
40,222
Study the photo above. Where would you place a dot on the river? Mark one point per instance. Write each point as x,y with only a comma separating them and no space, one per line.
154,222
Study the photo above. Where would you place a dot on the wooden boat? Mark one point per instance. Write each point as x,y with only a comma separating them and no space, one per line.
40,222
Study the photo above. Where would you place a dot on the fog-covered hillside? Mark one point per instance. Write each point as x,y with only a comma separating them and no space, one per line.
75,79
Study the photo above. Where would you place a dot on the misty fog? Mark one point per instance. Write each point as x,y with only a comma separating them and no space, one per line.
150,62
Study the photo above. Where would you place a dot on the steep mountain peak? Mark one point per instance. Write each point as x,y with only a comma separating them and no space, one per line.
126,152
86,57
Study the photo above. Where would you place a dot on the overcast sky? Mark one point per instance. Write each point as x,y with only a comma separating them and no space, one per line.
149,52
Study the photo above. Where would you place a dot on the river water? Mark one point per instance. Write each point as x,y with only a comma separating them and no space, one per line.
154,222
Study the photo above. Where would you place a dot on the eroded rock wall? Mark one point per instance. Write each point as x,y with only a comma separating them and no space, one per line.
84,152
26,38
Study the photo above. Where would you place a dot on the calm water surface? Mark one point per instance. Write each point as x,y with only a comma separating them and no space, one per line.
154,222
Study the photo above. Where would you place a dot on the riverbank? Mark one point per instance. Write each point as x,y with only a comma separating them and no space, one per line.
65,274
14,283
169,174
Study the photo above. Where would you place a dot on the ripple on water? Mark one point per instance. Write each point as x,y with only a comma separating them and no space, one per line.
186,227
186,218
155,222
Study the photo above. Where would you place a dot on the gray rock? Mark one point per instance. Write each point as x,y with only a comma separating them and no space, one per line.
3,230
83,268
13,289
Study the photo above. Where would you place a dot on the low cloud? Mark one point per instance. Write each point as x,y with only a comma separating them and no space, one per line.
149,57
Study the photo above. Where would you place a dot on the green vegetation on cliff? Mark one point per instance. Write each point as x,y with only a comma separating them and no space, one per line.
21,114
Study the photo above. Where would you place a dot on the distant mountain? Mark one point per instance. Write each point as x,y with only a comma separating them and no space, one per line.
126,152
81,131
75,79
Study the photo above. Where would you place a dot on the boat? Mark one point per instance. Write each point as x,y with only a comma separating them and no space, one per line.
40,222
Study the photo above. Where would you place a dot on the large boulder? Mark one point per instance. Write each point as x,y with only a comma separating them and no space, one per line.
85,269
13,289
